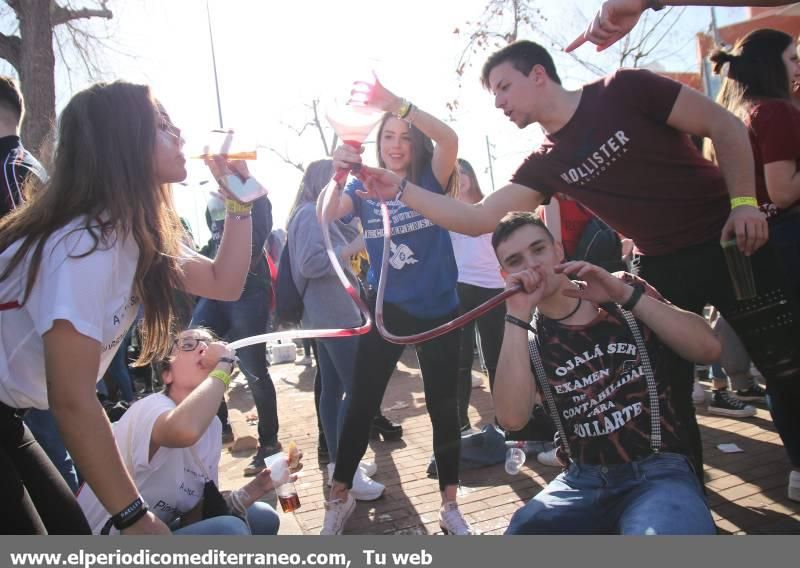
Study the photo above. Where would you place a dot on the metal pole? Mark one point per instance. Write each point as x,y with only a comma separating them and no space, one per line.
489,153
214,64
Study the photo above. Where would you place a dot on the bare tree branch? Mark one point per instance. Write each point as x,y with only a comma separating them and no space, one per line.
285,158
62,14
9,49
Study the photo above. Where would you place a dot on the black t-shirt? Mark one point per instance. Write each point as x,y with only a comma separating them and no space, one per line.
600,391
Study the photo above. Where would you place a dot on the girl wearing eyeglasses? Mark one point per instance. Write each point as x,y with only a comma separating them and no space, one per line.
98,240
171,444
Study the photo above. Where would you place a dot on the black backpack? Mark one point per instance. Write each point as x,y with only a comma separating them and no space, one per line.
600,245
288,299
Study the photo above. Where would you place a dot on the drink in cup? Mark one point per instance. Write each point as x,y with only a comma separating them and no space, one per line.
741,271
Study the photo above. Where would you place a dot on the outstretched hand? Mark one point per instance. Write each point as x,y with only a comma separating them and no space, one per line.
600,286
379,184
613,20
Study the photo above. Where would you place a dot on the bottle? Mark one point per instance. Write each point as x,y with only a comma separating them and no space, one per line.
515,457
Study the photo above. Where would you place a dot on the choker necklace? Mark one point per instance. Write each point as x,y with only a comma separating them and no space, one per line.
572,313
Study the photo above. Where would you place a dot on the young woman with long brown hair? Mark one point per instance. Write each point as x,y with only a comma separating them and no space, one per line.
92,244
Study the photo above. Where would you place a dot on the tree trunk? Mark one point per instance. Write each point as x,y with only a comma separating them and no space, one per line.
37,72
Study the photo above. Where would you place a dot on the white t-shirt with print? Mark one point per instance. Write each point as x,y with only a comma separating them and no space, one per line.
172,482
94,293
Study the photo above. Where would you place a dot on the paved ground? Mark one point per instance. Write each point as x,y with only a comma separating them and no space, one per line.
747,490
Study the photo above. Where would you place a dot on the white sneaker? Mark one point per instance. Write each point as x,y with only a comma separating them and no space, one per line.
336,514
698,393
452,521
369,469
477,381
794,485
364,488
548,458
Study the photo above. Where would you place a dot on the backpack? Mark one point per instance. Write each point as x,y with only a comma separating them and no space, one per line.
600,245
288,299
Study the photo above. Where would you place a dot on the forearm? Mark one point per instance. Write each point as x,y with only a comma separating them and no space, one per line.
232,262
187,422
725,3
687,334
514,386
87,436
735,155
329,203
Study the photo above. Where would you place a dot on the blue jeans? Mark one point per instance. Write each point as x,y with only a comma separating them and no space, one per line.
659,494
118,370
244,318
42,425
337,360
262,518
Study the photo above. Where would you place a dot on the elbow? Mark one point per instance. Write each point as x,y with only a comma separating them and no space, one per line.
231,293
184,436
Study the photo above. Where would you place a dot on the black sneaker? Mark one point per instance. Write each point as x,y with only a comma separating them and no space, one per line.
724,403
257,463
383,427
755,393
227,435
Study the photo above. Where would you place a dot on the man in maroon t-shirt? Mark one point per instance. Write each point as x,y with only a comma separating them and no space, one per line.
601,355
621,147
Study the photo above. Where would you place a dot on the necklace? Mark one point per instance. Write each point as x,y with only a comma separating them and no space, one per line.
572,313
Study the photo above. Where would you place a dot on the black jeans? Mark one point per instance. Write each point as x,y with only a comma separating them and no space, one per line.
698,275
35,498
375,363
490,326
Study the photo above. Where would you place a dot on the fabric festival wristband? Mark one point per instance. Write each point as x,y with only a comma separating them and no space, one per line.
130,514
519,323
739,201
221,375
235,207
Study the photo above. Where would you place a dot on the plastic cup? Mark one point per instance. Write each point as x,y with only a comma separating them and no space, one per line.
225,143
284,489
741,271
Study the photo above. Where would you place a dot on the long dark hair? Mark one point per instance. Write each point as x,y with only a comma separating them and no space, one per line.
756,70
104,173
474,186
315,178
421,154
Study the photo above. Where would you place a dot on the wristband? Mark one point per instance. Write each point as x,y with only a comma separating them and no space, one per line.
519,323
221,375
739,201
232,206
405,108
638,290
130,514
400,189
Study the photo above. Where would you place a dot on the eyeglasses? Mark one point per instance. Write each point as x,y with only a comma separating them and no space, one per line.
189,343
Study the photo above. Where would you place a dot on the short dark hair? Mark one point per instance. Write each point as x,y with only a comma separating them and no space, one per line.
10,97
513,221
523,56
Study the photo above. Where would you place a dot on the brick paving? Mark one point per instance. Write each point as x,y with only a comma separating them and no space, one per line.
747,490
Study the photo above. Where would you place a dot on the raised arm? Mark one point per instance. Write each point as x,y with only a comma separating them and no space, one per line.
616,18
694,113
687,334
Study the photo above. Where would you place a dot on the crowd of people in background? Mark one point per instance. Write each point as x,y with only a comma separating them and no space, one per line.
609,232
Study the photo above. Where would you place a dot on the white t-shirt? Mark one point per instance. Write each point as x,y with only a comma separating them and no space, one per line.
477,263
94,293
172,482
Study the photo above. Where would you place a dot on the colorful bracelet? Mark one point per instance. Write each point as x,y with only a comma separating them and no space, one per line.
222,376
235,207
739,201
405,108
